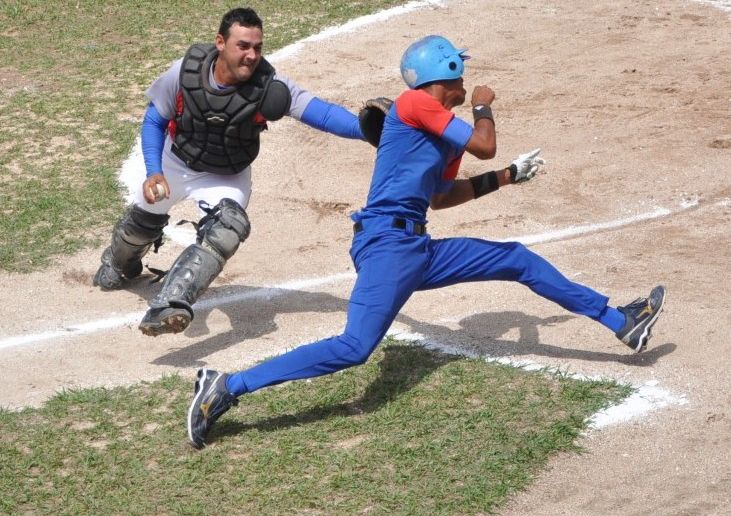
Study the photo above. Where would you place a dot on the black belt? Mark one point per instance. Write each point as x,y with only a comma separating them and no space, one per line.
419,229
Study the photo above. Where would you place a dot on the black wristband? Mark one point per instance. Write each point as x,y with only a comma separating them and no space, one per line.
484,183
513,171
481,111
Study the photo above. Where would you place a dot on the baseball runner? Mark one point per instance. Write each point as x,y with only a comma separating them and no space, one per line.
200,135
419,153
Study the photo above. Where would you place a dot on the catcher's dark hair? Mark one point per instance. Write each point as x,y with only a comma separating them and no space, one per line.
244,16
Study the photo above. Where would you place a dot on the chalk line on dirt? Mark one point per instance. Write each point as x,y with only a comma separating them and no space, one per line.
87,327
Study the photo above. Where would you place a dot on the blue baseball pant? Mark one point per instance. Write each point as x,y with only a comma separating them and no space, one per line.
392,264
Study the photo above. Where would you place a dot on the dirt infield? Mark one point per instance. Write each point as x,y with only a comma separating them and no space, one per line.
631,104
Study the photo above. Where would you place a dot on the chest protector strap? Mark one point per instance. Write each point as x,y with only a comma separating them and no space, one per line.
218,130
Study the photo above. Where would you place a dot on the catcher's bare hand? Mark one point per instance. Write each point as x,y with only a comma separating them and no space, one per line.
150,189
482,96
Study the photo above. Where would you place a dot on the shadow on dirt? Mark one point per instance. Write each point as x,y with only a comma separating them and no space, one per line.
146,285
252,314
485,330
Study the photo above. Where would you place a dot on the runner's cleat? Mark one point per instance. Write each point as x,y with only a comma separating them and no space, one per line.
210,401
641,315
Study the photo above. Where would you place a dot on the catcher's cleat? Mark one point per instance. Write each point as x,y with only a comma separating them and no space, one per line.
133,269
211,399
169,319
108,277
641,315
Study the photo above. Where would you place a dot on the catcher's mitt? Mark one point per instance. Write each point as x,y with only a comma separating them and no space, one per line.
371,118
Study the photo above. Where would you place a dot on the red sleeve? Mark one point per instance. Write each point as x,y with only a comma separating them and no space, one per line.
420,110
451,171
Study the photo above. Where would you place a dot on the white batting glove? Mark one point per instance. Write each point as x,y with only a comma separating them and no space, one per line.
525,166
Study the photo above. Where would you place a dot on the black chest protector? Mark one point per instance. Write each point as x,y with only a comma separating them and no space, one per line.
218,130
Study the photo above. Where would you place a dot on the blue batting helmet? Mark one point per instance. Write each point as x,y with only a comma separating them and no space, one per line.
432,58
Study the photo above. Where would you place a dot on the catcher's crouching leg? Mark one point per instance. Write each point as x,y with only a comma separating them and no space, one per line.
219,235
132,237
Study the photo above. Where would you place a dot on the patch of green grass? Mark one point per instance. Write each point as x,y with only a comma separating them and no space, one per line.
74,76
411,431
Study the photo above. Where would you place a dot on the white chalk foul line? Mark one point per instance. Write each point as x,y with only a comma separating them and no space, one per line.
571,232
574,231
134,318
111,323
186,236
352,25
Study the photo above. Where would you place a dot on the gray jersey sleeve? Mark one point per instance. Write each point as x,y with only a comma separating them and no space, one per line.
300,97
163,91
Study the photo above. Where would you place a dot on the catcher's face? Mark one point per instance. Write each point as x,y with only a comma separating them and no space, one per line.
239,54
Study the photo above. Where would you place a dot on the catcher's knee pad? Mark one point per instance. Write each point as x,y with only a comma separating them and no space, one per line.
132,237
220,233
224,228
140,227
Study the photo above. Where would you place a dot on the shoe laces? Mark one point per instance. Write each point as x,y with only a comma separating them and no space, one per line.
637,304
225,402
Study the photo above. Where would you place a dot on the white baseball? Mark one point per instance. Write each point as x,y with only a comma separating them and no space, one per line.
159,191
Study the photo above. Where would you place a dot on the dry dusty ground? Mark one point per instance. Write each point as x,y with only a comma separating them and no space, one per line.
630,102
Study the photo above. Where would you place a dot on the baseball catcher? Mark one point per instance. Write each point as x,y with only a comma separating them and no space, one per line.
200,136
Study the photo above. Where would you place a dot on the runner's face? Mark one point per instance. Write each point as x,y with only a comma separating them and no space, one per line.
241,52
455,92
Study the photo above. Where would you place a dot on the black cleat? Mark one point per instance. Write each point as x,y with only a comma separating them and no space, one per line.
107,277
210,401
641,315
169,319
